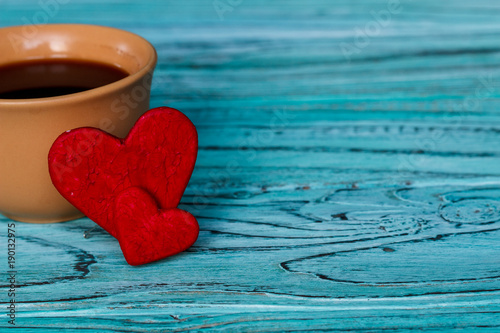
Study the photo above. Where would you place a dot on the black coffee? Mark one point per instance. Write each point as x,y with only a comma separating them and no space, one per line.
54,77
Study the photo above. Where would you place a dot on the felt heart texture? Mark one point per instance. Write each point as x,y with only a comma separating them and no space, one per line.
90,167
148,234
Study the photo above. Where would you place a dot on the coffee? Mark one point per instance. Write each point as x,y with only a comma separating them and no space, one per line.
54,77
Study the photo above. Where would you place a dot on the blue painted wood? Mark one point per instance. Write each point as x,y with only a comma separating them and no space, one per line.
333,192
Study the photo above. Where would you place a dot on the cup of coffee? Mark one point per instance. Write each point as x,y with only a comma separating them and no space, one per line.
56,78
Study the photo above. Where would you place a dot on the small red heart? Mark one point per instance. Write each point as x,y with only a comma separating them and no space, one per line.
90,167
148,234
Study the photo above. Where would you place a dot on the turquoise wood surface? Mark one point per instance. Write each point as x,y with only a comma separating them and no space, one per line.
348,174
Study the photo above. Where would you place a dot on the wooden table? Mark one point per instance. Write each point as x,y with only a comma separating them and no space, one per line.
348,175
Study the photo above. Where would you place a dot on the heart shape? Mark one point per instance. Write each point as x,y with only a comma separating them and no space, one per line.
148,234
90,167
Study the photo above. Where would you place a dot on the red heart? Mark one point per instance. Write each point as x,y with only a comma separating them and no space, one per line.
90,167
148,234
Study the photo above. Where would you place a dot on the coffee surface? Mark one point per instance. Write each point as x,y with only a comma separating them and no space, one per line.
54,77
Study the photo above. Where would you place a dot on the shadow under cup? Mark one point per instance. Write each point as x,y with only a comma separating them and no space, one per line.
35,108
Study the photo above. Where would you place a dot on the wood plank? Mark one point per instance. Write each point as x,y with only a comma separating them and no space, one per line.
332,192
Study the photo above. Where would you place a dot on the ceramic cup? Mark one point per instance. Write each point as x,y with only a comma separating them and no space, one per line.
28,127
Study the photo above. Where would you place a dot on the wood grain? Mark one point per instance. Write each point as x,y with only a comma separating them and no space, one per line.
333,192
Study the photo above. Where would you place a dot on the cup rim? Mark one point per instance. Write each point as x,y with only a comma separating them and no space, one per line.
94,92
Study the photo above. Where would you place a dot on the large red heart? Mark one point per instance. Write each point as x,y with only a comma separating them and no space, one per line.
147,234
90,167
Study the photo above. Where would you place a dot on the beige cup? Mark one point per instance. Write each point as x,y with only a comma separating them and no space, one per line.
28,127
